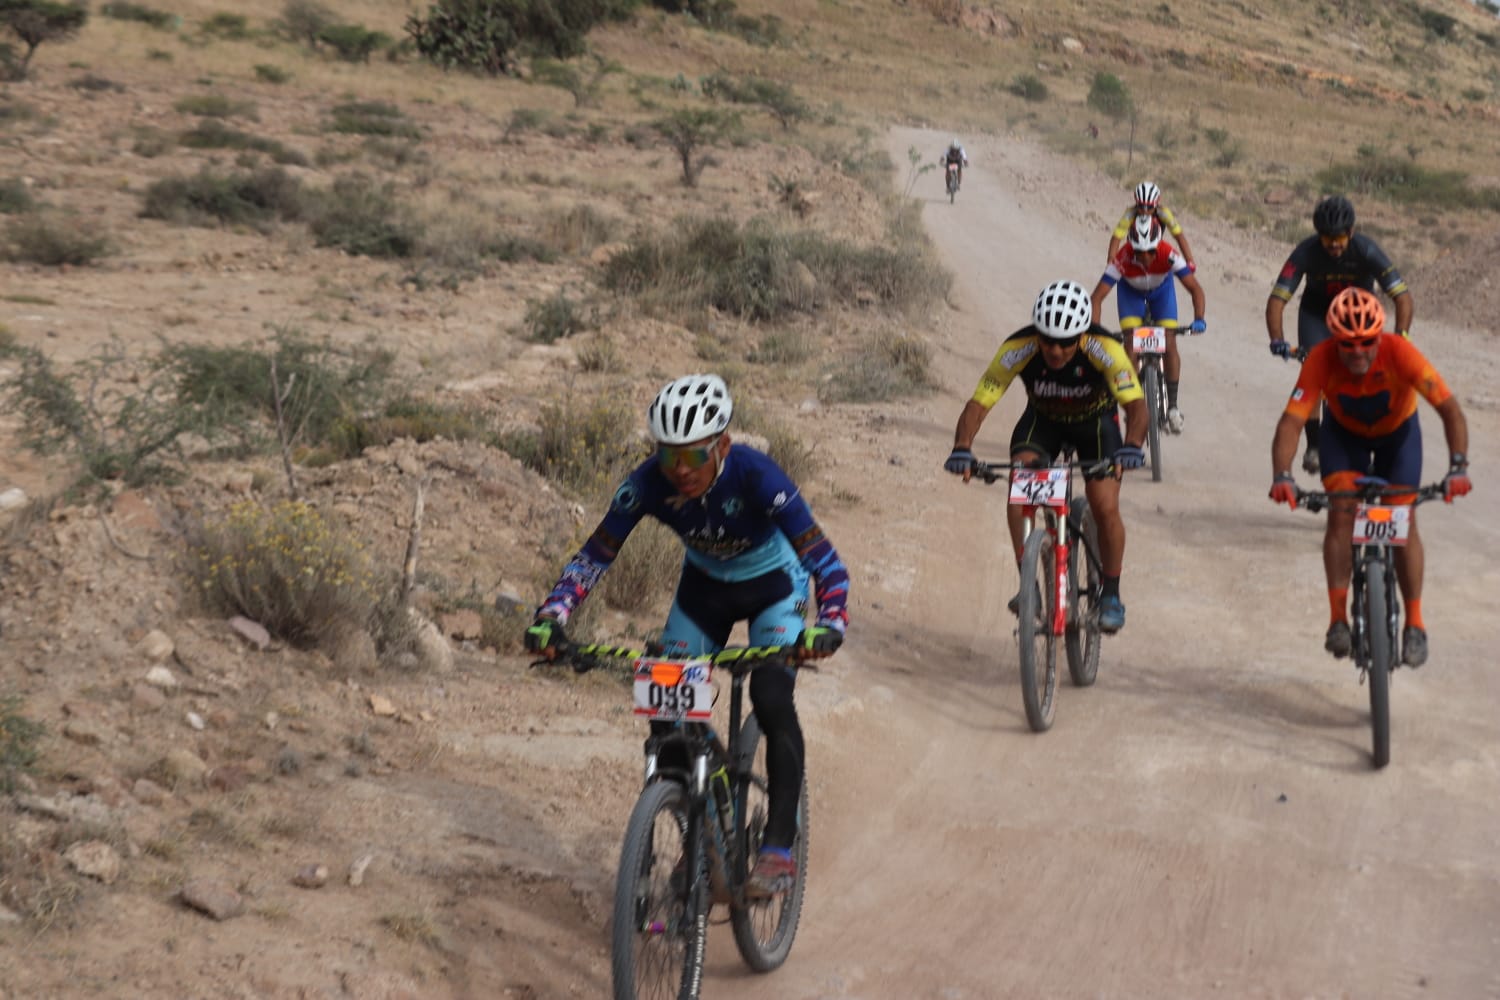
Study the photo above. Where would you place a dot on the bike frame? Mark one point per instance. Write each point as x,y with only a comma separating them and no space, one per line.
1064,589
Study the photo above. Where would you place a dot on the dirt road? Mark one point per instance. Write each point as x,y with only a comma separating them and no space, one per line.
1205,820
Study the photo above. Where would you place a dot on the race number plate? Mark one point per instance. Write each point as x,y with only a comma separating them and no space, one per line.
1380,524
1040,487
671,690
1150,340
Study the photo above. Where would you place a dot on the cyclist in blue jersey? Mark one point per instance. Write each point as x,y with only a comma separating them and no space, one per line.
751,547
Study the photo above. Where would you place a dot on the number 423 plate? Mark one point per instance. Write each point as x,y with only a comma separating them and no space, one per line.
672,690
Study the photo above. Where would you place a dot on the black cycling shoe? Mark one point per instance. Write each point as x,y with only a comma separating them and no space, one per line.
1339,641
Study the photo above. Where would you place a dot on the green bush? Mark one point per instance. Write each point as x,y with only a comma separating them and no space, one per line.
586,443
354,42
760,272
15,196
551,319
304,20
1406,183
1109,96
1029,88
361,217
53,239
257,198
18,742
646,570
123,10
372,118
234,27
216,106
776,98
268,73
214,134
482,36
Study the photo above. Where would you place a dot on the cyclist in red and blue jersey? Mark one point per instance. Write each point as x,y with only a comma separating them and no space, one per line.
1333,260
1142,273
751,547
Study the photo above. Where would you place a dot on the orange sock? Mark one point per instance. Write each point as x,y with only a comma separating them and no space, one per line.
1414,614
1338,604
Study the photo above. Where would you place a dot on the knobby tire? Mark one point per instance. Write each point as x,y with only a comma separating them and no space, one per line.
1038,646
1083,637
659,930
1151,385
765,929
1378,670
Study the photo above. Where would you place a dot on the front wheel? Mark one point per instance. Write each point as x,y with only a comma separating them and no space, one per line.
1378,669
1038,646
661,913
1151,386
1083,637
764,929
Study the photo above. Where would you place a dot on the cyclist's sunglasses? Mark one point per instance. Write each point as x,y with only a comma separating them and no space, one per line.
689,456
1061,345
1358,345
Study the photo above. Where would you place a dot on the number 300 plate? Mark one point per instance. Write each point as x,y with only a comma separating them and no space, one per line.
672,690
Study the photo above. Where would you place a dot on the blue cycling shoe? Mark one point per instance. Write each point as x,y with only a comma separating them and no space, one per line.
1111,614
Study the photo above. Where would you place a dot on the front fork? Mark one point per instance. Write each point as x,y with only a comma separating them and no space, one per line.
1366,563
1061,583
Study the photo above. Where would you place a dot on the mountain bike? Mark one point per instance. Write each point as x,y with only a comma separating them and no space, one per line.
1379,529
697,826
1061,579
952,182
1148,345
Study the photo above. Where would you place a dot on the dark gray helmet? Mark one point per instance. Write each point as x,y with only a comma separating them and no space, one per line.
1334,216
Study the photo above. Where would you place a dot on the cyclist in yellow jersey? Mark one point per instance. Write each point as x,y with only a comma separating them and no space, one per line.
1148,202
1076,375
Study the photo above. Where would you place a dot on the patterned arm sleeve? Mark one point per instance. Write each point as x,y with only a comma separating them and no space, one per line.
1168,220
588,564
814,551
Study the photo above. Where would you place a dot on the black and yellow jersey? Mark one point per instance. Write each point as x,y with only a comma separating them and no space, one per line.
1097,378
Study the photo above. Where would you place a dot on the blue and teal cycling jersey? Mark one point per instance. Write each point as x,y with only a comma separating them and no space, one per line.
753,520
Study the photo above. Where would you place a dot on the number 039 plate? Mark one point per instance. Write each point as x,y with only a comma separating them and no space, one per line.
673,690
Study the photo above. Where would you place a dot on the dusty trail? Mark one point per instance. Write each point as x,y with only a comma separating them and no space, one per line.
1205,818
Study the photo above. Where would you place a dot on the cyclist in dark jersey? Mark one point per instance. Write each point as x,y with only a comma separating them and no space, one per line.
1076,375
1335,259
751,548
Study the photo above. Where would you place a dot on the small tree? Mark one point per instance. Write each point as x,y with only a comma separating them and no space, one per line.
690,131
38,21
473,35
583,85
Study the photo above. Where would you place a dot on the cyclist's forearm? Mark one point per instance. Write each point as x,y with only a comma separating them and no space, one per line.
969,422
1275,310
1404,310
1455,426
1284,443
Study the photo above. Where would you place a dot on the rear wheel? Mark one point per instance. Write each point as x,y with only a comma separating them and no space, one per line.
764,929
1378,670
661,912
1038,646
1151,385
1083,639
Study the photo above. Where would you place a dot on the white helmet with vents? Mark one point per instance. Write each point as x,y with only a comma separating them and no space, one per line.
1147,194
690,409
1063,310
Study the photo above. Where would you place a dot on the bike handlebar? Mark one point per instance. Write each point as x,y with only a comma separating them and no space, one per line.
1370,490
738,660
991,472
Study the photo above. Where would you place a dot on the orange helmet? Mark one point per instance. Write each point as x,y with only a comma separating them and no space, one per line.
1355,314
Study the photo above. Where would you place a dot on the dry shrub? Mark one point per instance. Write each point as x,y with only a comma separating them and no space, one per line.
287,567
646,570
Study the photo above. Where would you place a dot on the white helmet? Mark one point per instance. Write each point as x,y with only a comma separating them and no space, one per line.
1147,194
1145,233
1063,310
953,144
690,409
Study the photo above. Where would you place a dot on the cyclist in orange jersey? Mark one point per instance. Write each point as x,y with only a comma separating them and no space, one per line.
1370,381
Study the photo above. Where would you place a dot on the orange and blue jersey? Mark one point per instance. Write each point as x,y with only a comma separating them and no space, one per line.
1373,404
